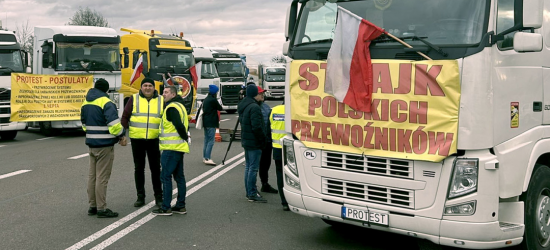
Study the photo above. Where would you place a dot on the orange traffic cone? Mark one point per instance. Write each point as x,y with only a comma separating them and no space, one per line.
218,137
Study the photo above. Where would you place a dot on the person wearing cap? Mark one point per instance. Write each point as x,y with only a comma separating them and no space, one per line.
142,115
100,120
253,140
265,159
210,121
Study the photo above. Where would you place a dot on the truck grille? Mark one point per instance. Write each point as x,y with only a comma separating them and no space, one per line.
4,120
276,87
369,193
369,165
5,111
5,94
230,94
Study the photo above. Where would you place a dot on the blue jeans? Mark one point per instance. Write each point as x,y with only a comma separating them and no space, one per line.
209,134
172,164
252,158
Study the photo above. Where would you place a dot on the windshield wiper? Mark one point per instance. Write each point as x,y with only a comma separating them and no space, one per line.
2,67
314,42
385,38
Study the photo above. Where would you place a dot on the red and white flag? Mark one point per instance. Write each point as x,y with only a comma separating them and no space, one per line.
196,72
137,70
349,70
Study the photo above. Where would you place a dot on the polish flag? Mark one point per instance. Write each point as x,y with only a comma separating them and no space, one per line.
137,70
349,70
196,73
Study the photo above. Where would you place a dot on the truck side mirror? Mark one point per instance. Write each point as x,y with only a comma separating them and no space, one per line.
135,58
125,50
527,42
532,14
286,45
145,64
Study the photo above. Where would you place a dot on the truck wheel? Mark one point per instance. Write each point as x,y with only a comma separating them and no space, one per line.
231,111
47,130
8,135
537,210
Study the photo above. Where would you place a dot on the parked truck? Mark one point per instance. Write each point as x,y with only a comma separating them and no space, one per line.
209,73
72,50
232,72
161,54
385,168
12,60
272,79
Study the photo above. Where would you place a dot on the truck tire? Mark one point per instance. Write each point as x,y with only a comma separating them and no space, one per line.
537,210
8,135
47,130
231,111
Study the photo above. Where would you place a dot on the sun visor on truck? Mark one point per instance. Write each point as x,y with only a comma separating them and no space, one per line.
84,39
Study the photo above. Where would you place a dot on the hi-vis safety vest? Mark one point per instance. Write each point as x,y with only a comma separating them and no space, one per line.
277,119
100,132
146,116
169,137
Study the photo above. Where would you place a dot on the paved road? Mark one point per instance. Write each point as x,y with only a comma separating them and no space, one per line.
43,204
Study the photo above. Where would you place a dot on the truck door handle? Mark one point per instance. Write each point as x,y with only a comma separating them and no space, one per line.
537,106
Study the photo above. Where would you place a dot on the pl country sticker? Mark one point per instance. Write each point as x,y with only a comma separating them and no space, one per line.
514,114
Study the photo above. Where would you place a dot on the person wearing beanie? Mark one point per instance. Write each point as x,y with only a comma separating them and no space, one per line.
99,112
210,121
142,116
253,140
265,159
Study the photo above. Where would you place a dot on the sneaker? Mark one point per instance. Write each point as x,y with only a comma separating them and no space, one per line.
286,208
268,189
204,161
210,162
139,202
257,199
92,211
161,211
179,210
107,213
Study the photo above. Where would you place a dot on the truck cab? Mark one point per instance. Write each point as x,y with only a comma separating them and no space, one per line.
209,73
232,72
272,79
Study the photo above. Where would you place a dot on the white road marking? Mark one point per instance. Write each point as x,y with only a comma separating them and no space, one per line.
148,217
2,146
13,174
45,138
79,156
143,209
224,120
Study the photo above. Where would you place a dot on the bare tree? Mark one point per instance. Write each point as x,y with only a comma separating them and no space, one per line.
88,17
25,36
278,59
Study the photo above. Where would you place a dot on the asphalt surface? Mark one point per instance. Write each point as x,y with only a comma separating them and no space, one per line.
46,206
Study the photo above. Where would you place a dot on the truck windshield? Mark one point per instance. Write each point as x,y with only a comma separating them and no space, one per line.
10,61
230,68
275,78
442,22
208,70
87,56
171,59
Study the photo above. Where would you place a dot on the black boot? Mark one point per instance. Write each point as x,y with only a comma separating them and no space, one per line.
268,189
158,201
139,202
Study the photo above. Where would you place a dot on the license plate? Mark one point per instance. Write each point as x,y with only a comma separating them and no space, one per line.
363,214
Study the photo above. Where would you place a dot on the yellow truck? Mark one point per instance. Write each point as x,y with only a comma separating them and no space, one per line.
161,54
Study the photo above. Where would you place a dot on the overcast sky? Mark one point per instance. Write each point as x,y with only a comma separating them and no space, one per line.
251,27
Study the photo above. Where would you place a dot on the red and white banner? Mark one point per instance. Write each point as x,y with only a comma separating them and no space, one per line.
349,70
137,70
196,72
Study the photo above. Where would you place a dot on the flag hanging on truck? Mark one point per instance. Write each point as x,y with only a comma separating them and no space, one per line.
349,70
196,73
137,70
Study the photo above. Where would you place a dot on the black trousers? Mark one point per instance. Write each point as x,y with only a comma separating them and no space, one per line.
265,163
280,180
149,148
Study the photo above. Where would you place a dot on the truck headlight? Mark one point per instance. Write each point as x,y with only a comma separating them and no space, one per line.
289,156
468,208
464,180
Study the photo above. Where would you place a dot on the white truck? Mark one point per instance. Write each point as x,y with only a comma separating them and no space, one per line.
272,79
231,70
494,192
12,60
209,74
66,50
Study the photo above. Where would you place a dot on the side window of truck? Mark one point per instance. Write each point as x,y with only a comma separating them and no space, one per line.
505,21
47,55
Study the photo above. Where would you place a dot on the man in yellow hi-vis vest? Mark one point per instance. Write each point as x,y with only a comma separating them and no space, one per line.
277,121
142,115
173,143
103,130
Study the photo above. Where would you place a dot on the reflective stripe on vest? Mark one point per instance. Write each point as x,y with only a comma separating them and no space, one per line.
146,117
169,138
277,119
102,132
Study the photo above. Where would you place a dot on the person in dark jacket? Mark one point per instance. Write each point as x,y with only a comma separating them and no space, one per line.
142,115
173,143
100,120
253,140
265,159
210,122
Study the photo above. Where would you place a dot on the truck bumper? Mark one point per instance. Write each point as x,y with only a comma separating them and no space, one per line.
13,126
67,124
275,94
